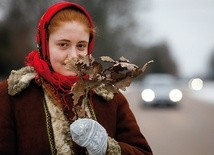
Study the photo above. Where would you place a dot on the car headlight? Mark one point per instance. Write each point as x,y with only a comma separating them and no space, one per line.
148,95
196,84
175,95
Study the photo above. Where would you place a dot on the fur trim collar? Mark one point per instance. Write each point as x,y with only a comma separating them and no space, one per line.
20,79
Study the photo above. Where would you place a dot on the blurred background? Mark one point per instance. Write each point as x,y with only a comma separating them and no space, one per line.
177,34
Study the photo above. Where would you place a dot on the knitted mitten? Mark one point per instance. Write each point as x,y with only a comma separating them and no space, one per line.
90,134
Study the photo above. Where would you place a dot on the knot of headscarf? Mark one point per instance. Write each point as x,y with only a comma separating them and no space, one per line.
58,81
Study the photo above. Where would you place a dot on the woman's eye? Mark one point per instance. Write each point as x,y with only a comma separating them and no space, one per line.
81,47
63,45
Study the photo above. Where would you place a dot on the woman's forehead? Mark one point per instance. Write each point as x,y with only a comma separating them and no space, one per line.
71,31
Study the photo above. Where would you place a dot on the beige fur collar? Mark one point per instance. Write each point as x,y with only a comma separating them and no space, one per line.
20,79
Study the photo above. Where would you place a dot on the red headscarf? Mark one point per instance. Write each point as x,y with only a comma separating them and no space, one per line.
40,59
42,35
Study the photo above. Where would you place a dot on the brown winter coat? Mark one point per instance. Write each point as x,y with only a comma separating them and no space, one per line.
23,123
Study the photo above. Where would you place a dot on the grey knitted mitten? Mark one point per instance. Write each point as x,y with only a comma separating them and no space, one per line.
90,134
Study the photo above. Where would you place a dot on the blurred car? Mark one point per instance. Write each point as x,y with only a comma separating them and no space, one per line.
160,89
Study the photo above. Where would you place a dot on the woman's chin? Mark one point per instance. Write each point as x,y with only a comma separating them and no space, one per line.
67,73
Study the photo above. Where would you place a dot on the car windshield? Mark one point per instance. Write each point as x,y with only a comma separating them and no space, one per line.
159,80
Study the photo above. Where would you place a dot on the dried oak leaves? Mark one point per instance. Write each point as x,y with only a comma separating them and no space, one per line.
105,82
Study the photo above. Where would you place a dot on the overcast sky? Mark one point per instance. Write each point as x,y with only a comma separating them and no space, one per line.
188,28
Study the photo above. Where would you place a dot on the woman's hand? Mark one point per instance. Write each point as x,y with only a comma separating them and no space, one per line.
90,134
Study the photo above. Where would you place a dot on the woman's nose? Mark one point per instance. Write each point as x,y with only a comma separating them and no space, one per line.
72,52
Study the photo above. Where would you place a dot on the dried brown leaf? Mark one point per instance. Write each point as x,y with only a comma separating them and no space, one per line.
123,59
122,84
86,60
106,82
117,68
146,65
129,66
78,90
107,59
70,64
117,76
97,68
139,71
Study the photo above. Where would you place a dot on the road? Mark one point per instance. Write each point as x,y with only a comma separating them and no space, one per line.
185,130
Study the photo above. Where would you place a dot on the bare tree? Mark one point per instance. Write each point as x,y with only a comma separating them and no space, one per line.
211,67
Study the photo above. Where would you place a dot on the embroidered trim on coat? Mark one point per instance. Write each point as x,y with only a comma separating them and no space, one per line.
49,129
60,125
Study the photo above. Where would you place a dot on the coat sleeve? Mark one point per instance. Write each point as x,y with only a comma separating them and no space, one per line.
7,131
128,133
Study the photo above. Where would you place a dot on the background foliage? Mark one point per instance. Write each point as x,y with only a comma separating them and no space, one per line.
115,36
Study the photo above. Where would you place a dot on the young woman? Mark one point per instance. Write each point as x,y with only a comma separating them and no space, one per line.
37,113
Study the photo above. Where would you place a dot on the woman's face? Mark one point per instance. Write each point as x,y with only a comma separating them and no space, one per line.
68,41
